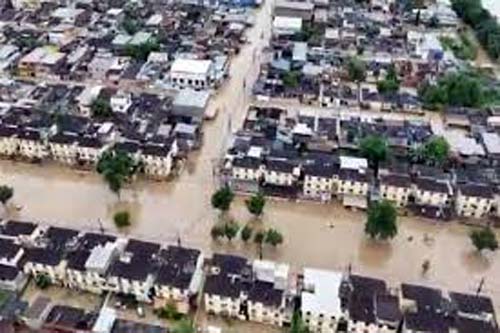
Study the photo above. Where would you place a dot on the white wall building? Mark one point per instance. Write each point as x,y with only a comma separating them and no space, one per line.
192,73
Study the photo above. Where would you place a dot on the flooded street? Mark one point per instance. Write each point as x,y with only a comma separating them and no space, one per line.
166,211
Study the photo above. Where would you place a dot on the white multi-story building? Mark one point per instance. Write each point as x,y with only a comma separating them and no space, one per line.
281,173
396,188
9,144
320,300
428,191
88,150
31,145
158,159
193,73
63,148
179,277
87,266
474,200
133,273
247,169
320,181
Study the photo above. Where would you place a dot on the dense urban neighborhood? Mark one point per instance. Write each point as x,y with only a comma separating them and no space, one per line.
249,165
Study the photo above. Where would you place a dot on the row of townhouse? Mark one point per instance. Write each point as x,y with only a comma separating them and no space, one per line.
473,200
234,287
349,179
72,149
99,263
331,301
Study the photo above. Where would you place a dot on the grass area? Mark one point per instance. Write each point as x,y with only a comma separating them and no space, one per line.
462,47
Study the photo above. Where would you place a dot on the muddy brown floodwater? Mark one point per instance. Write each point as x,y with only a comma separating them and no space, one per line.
324,236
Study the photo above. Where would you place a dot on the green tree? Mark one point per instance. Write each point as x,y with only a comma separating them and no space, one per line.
6,193
130,25
217,232
389,86
356,70
101,108
463,89
484,239
231,230
117,167
381,222
222,199
141,52
169,312
122,219
435,151
375,149
246,233
297,325
42,281
291,79
184,326
256,204
273,237
259,239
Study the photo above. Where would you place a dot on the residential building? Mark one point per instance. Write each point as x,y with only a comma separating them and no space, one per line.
247,169
158,159
286,26
235,288
320,300
8,142
88,150
31,145
371,307
280,172
296,9
428,191
222,293
11,277
63,148
88,264
396,188
474,200
192,73
133,273
320,181
41,62
179,277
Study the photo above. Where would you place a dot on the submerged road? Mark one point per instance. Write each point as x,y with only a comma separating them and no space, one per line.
325,236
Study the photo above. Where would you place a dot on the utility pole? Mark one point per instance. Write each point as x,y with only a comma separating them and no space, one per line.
101,227
480,287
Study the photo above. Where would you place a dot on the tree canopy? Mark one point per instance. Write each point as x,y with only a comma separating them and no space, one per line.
485,25
246,233
256,204
297,325
117,167
273,237
389,86
101,108
141,52
382,220
375,149
291,79
6,193
222,198
484,239
434,152
356,69
462,89
231,230
122,219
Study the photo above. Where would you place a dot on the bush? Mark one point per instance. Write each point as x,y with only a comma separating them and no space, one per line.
246,233
43,281
122,219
